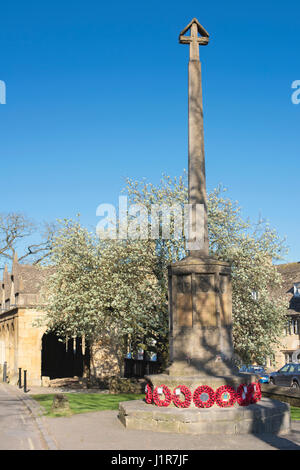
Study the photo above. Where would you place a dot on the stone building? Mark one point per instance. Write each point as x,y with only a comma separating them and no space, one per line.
20,342
25,345
290,291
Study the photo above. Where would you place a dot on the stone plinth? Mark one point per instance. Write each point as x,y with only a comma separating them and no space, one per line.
265,417
194,381
200,313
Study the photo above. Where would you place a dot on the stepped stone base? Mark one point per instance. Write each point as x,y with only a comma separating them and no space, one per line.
265,417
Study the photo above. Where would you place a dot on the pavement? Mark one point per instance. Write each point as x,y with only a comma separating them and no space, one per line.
103,431
18,429
23,426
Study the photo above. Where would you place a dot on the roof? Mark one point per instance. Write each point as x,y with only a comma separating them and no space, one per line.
24,279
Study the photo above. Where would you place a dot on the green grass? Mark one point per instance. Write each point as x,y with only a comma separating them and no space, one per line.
295,413
86,402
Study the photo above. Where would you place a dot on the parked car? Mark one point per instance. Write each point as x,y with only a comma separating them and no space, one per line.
287,376
259,371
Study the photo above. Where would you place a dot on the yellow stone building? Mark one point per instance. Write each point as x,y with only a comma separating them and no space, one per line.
20,342
289,350
26,346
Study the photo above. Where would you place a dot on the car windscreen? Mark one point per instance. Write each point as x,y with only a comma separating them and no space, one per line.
284,368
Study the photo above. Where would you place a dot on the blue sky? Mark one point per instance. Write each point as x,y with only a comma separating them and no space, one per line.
97,91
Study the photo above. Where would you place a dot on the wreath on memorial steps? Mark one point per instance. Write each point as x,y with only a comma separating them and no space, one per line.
204,396
149,395
166,392
242,395
187,397
220,399
254,392
204,390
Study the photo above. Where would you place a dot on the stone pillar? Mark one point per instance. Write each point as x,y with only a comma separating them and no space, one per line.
196,175
200,310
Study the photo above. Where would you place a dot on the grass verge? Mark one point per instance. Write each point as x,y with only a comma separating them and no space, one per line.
295,413
86,402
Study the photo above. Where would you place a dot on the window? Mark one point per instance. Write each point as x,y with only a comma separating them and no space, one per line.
285,368
288,326
292,325
288,356
295,325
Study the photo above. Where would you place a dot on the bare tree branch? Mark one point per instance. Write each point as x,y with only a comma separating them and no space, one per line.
14,228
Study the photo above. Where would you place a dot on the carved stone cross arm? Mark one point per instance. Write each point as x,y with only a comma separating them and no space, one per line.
194,40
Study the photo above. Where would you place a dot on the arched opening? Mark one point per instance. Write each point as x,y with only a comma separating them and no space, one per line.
61,359
296,356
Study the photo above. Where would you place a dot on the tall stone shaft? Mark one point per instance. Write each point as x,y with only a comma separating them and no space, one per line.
200,307
197,182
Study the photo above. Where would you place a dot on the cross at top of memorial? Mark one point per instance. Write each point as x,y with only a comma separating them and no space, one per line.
198,229
194,40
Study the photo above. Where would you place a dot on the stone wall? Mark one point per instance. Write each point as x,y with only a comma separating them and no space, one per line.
281,393
106,359
21,344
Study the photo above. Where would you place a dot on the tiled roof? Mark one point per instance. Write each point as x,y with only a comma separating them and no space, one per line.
27,278
24,279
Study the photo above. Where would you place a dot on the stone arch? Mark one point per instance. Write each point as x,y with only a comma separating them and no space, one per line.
296,356
60,359
6,340
2,351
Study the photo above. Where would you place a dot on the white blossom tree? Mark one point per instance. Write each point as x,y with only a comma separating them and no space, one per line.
101,289
118,288
250,248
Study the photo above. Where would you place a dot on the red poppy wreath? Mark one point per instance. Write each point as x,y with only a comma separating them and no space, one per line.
254,392
202,391
168,396
221,396
242,395
187,396
148,390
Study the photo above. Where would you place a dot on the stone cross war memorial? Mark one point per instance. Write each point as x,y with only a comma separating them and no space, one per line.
201,391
